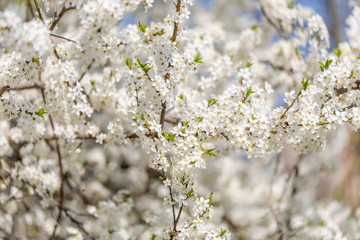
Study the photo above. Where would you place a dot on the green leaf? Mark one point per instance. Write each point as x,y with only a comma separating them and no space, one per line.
212,102
181,96
297,52
171,137
145,67
222,232
249,64
209,152
40,112
92,83
142,27
305,83
18,2
129,63
35,60
337,52
153,236
159,33
351,74
326,65
197,59
254,27
211,198
191,193
249,91
198,119
183,129
291,4
142,117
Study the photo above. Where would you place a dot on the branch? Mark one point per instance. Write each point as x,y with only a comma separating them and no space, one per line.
289,106
39,10
3,90
335,21
56,20
67,39
279,30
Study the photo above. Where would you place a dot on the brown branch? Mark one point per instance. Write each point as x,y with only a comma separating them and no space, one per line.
87,69
67,39
18,88
3,90
335,21
176,23
162,114
172,120
279,30
289,106
39,10
173,39
56,20
61,171
272,210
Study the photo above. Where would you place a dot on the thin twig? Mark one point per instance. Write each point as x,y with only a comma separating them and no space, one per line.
279,30
67,39
56,20
39,10
3,90
87,69
289,106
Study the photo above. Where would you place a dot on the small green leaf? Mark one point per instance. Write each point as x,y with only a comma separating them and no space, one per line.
129,63
211,198
249,64
291,4
183,129
92,83
321,223
142,27
297,51
40,112
222,232
145,67
305,83
35,60
212,102
198,119
191,193
254,27
351,74
326,65
209,152
248,92
181,96
197,59
153,236
142,117
159,33
111,231
172,137
337,52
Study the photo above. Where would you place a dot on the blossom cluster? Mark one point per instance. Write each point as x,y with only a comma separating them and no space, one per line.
169,126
